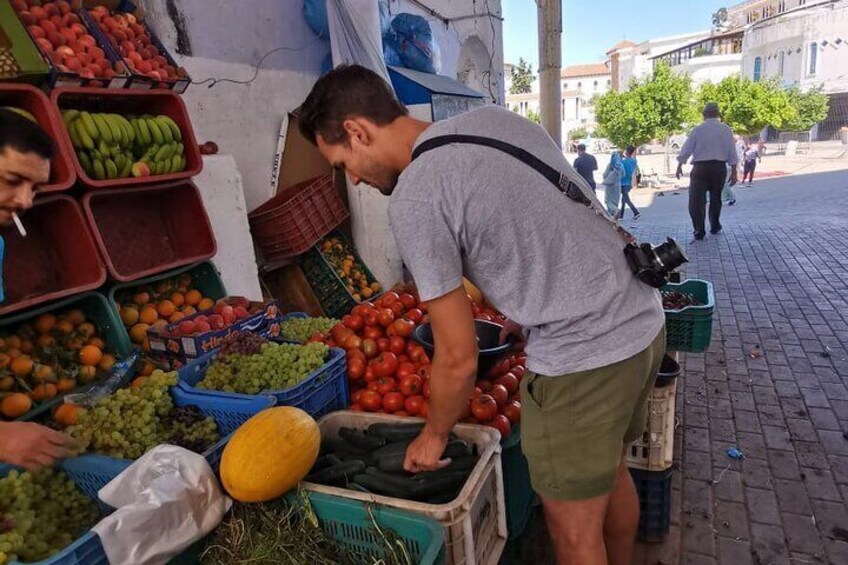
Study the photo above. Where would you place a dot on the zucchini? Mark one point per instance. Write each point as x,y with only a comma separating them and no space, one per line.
360,439
337,474
442,498
396,447
325,461
463,464
431,486
457,448
377,486
392,463
395,432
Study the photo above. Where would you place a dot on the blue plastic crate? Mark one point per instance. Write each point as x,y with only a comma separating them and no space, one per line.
322,392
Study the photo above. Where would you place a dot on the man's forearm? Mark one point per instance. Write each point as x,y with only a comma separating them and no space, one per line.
450,388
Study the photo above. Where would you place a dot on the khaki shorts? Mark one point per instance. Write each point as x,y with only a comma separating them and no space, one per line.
574,427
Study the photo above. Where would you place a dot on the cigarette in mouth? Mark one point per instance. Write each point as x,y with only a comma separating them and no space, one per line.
19,225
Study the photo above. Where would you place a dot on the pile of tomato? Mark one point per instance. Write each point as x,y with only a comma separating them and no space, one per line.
389,372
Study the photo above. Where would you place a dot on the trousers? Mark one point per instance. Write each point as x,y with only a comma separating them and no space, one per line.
707,178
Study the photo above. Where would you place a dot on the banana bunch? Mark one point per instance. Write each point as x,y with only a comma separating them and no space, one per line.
111,146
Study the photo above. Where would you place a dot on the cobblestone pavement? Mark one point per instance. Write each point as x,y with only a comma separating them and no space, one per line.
773,384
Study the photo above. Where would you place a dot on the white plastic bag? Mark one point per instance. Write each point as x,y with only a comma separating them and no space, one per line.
355,36
165,501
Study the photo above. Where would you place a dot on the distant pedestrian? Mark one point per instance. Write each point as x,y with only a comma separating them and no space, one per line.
586,165
728,195
612,183
712,149
631,172
752,155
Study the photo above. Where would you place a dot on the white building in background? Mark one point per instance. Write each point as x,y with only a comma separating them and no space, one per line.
631,61
710,59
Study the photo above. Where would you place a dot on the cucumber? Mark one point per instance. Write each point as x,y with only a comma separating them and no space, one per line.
392,463
325,461
376,486
392,448
360,439
459,464
444,484
337,475
395,432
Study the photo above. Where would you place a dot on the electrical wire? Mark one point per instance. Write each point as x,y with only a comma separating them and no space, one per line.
213,81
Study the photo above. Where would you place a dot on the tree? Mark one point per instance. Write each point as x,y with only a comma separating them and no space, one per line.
810,108
578,133
534,116
655,108
747,106
522,78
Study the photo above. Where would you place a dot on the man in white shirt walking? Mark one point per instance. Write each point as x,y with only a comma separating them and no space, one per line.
712,149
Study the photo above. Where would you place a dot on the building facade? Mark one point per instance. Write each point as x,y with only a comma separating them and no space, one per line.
631,61
710,59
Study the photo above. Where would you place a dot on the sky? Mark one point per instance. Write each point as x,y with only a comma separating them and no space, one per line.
591,27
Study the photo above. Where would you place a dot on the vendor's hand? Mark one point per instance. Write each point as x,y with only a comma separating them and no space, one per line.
679,172
510,328
424,454
30,445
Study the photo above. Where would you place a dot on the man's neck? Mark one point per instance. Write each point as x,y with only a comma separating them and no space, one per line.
404,132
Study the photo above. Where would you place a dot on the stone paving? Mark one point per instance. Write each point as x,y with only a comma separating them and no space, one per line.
773,384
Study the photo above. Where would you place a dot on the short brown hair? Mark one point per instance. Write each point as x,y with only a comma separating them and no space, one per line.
347,91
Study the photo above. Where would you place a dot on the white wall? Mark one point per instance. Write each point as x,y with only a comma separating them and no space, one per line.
713,68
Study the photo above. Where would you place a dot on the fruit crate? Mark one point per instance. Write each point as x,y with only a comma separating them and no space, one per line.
295,219
61,75
142,231
57,258
28,98
474,522
349,522
20,60
519,496
332,294
205,278
139,80
325,390
689,329
135,102
178,351
654,490
654,451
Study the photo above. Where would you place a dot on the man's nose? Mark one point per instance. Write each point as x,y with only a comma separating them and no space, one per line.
24,196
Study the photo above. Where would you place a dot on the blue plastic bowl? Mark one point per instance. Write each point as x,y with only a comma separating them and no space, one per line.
488,334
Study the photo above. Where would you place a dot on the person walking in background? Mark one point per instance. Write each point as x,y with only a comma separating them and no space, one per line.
752,155
728,196
712,149
612,183
631,168
586,165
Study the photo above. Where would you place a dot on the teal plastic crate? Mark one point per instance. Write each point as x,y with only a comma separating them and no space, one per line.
518,492
690,329
205,277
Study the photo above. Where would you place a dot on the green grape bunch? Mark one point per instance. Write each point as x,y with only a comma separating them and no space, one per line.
301,329
41,513
276,367
133,420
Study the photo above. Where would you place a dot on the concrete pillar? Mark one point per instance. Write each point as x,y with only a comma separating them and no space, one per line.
550,66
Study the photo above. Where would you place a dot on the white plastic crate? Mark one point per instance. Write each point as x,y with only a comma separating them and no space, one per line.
654,451
475,521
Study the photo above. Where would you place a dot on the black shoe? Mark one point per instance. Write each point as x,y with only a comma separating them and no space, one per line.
699,236
715,230
731,203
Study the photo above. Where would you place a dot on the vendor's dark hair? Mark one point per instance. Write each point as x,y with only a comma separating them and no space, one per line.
348,91
24,135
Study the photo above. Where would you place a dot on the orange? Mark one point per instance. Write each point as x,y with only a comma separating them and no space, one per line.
44,391
4,360
65,327
106,363
164,286
68,414
129,316
45,340
205,304
141,298
27,346
87,373
86,329
13,342
15,405
147,369
148,315
189,310
166,308
13,353
22,366
138,382
138,333
178,298
74,344
44,323
76,317
42,373
6,383
193,297
65,385
97,342
176,317
90,355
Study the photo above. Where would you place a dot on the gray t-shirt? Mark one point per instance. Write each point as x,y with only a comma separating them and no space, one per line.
547,262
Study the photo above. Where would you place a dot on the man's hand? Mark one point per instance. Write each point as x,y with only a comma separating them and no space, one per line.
30,445
734,176
510,328
679,172
425,453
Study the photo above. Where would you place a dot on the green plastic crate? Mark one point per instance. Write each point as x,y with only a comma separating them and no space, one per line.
690,329
14,37
331,292
518,492
205,277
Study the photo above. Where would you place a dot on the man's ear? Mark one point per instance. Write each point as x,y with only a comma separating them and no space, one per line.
357,130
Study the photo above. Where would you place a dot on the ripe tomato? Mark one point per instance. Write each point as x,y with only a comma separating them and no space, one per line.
484,407
388,298
424,371
403,413
372,318
501,423
476,392
356,407
383,344
386,385
500,368
425,390
408,301
412,404
351,354
422,306
403,327
485,385
371,401
372,385
424,409
500,394
361,309
369,375
385,317
411,385
396,308
393,401
369,348
404,369
353,321
418,355
373,332
404,358
414,315
356,369
386,365
354,398
512,411
521,360
397,345
509,381
518,371
340,333
353,341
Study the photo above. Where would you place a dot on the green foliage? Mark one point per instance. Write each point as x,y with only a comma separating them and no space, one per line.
748,106
655,108
522,78
578,133
534,116
810,108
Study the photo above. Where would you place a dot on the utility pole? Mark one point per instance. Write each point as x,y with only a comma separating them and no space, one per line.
550,66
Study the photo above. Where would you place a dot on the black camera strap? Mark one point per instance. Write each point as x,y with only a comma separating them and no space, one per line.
555,177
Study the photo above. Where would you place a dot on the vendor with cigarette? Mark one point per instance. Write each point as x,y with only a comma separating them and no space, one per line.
25,153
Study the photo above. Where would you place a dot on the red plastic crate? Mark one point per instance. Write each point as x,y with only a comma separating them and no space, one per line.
58,257
146,230
155,102
294,220
26,97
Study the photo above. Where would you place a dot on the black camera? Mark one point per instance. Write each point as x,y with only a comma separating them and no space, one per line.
652,265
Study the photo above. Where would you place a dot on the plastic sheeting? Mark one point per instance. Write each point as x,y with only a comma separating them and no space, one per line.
355,34
315,13
412,39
